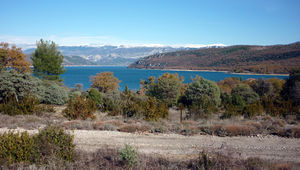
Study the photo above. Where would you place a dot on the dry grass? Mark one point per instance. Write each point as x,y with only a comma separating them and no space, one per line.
239,130
135,128
235,126
109,158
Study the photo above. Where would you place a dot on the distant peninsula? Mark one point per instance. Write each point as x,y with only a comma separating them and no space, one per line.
274,59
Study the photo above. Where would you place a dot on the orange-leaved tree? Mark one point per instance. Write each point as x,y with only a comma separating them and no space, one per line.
105,82
13,58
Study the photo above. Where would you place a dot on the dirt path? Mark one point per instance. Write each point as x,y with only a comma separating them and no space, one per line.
173,145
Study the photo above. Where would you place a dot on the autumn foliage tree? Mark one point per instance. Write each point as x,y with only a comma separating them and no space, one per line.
13,58
105,82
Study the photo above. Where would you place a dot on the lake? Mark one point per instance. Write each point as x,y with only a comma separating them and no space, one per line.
132,77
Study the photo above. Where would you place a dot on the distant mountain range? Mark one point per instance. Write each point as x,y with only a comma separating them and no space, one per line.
240,58
112,55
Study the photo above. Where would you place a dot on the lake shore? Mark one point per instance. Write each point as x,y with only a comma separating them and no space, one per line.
227,72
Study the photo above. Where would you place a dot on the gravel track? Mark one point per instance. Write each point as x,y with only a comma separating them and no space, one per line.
173,145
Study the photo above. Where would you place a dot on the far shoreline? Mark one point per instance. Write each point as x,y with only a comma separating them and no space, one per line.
227,72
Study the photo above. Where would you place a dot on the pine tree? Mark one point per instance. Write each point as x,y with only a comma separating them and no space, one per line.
47,61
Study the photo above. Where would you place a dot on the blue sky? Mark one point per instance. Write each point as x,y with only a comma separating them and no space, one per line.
168,22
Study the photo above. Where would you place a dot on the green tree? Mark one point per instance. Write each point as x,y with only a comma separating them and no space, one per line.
200,87
202,97
291,88
47,61
166,88
246,93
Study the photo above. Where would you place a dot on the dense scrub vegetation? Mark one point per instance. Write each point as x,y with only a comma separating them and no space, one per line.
50,144
242,58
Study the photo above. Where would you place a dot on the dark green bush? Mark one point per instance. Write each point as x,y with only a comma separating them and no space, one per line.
112,103
246,93
49,143
80,107
231,110
17,147
202,97
28,105
165,88
200,87
53,140
96,96
129,155
254,109
132,104
203,109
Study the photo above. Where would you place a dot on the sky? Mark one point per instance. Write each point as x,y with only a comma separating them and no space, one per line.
136,22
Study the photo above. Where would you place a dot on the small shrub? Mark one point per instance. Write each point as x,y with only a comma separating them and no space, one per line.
254,109
80,108
129,155
231,111
28,105
109,127
293,132
112,103
50,92
203,109
53,140
96,96
49,143
17,147
154,110
134,128
239,130
205,162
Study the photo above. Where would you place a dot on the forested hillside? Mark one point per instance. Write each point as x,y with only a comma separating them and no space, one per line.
240,58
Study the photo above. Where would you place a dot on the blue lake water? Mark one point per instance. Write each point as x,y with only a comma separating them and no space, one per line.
132,77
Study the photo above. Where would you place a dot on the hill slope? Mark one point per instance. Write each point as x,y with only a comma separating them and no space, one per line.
241,58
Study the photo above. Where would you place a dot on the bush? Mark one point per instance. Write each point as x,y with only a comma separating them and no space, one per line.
17,147
96,96
105,82
166,88
254,109
112,103
50,92
246,93
80,107
28,105
154,110
129,155
132,104
17,84
203,109
51,142
202,98
200,87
